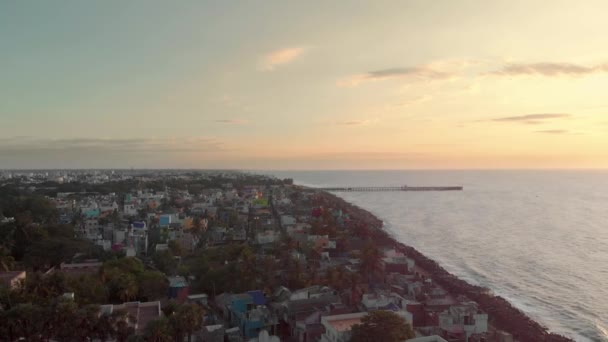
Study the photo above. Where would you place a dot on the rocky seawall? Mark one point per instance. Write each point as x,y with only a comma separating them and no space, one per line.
503,315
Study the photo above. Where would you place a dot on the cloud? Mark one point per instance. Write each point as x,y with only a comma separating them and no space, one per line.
18,145
549,69
532,119
280,57
356,122
232,121
554,131
423,72
365,155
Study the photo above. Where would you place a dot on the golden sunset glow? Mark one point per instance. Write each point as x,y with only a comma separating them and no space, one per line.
400,84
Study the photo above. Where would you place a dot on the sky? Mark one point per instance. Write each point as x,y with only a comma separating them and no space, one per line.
303,84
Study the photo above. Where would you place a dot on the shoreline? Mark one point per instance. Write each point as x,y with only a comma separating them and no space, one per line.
502,314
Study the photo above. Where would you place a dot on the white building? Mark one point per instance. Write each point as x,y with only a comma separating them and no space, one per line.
266,237
90,230
338,328
287,220
109,206
130,209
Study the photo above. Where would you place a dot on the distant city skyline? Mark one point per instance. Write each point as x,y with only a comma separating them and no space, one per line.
310,85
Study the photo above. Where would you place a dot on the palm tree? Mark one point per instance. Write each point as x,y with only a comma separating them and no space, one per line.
158,331
371,260
121,285
190,317
88,318
128,292
26,321
104,329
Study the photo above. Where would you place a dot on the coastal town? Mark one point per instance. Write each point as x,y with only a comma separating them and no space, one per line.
181,255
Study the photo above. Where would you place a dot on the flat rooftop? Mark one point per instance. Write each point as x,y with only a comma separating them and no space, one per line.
344,324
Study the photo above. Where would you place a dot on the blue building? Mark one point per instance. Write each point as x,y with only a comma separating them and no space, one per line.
164,220
249,313
139,225
92,213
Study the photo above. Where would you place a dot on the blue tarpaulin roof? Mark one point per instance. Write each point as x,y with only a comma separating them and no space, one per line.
258,297
138,224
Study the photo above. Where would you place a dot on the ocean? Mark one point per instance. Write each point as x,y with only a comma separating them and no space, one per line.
537,238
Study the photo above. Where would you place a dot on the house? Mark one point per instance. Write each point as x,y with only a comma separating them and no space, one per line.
187,241
238,234
338,328
140,314
201,299
178,288
373,301
138,237
82,268
266,237
130,209
291,307
248,312
108,207
233,335
397,262
298,228
287,220
91,213
309,327
161,247
321,242
165,220
212,333
90,229
388,302
119,236
463,319
12,279
217,235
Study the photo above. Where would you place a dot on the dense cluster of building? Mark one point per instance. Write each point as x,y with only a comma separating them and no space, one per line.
347,277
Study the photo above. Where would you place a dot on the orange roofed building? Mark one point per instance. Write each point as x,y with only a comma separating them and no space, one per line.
338,328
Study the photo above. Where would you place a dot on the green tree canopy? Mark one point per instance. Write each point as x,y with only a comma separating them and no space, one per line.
385,326
153,285
165,262
158,331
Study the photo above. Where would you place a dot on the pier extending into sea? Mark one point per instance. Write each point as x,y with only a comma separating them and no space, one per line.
392,188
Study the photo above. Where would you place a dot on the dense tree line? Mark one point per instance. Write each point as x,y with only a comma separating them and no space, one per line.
35,238
62,320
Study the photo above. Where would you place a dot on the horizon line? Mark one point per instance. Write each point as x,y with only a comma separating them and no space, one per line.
303,170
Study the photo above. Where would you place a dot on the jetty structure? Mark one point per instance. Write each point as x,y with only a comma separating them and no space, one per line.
391,188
